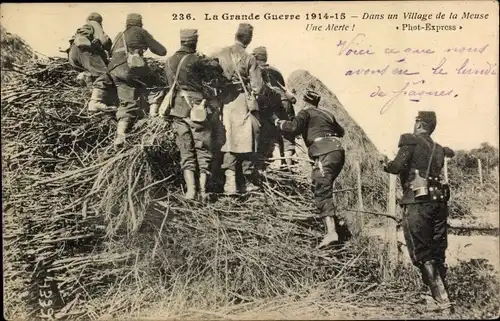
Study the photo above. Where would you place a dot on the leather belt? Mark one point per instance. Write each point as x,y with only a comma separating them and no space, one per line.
317,139
191,94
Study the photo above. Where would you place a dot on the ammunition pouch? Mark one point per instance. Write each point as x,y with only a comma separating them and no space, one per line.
430,189
439,192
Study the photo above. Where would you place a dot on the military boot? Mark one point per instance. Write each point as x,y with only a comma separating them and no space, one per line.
435,283
251,184
121,132
96,101
331,233
153,110
230,187
190,185
342,230
288,157
203,187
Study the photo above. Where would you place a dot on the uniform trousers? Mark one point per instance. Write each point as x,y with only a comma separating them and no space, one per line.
131,85
194,143
425,229
327,168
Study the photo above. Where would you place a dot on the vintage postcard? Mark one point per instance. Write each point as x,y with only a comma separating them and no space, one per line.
250,160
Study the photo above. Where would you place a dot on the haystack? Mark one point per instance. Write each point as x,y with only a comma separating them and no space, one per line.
13,51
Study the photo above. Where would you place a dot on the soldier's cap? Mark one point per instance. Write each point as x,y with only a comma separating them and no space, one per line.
189,35
134,19
244,33
260,53
428,117
312,97
94,16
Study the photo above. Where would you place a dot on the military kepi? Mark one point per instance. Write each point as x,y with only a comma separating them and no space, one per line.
94,16
244,33
134,19
428,117
312,97
189,35
260,53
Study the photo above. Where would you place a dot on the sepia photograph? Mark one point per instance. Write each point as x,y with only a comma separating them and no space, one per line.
306,160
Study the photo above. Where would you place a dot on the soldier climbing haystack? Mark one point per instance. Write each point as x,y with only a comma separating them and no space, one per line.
193,109
89,50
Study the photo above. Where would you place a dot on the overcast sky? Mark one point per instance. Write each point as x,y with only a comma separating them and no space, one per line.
467,108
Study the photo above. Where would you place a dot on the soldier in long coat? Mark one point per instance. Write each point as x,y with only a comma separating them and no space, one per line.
194,136
240,118
131,84
91,55
419,163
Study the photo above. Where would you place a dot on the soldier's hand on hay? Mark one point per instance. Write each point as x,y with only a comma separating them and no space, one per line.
383,160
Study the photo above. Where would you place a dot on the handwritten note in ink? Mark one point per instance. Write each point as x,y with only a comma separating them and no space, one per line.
414,66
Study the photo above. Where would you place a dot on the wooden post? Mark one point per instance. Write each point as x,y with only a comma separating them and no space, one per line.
390,230
361,216
480,169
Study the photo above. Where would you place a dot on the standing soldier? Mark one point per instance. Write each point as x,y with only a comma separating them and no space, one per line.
281,103
88,50
240,113
188,69
130,82
419,163
321,133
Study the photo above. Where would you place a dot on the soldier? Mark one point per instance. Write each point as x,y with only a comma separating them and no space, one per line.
132,83
281,102
88,50
240,113
194,134
419,163
321,133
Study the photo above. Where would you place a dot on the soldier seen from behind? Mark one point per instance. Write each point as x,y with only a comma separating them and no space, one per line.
280,102
193,110
131,74
418,163
89,49
240,115
321,133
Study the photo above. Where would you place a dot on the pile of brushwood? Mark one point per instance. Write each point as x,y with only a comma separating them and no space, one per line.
83,222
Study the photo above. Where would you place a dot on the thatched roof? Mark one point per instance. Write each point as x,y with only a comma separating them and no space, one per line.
14,50
358,145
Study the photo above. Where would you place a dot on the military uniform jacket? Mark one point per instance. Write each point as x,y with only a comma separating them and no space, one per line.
315,124
95,33
276,101
247,66
241,127
191,74
415,153
137,39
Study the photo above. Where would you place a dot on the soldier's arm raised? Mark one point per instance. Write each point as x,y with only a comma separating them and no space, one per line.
153,45
406,146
